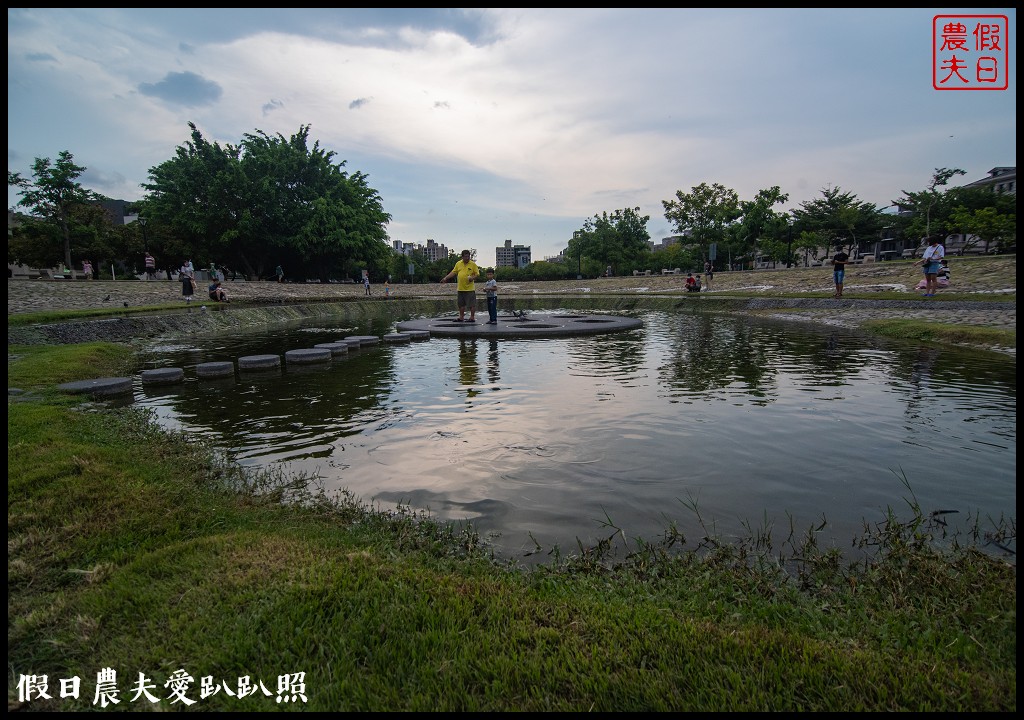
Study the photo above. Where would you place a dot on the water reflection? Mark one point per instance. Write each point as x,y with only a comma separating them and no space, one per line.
549,440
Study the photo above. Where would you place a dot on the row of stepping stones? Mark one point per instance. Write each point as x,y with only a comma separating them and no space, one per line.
320,353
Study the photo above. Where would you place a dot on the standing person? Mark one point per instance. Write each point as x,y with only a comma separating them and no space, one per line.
931,261
87,269
491,287
366,284
387,288
150,266
188,284
279,273
839,261
709,273
467,272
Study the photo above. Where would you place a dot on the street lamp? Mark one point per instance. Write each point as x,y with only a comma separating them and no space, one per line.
145,238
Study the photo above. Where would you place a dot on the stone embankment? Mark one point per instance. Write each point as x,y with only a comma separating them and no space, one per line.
969,276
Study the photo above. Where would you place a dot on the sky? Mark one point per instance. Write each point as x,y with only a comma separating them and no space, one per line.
477,126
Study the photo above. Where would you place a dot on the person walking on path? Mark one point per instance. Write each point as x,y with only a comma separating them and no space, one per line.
839,261
491,288
709,273
467,272
279,273
87,269
150,267
366,284
931,261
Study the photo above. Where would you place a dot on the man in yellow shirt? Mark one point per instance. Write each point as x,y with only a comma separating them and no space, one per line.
467,272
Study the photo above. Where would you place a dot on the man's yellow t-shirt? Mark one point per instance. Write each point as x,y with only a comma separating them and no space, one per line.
465,270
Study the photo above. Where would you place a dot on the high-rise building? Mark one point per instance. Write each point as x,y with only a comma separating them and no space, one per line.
431,251
510,255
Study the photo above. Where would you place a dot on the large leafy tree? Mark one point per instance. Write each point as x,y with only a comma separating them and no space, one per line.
53,195
839,218
761,223
985,225
703,216
198,196
271,200
616,240
929,210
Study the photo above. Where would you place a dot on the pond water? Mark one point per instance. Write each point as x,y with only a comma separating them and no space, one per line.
544,443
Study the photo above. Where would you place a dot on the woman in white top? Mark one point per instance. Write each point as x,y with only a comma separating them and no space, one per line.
931,260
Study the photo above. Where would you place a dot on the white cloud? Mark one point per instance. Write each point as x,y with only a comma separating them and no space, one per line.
483,125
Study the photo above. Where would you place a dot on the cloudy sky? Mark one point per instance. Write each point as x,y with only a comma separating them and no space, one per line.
481,125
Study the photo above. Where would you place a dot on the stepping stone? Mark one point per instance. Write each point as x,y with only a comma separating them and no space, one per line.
259,362
215,369
163,376
365,339
353,342
336,348
305,356
417,334
396,338
99,387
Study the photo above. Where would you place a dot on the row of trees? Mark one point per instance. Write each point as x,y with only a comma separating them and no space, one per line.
273,200
265,202
743,231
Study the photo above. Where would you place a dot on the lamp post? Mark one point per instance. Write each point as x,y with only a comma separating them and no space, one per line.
145,238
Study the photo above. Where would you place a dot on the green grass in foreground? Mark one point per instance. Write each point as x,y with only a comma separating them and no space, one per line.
948,333
140,550
52,316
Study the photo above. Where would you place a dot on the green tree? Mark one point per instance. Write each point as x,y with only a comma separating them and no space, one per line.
930,207
839,218
271,200
986,225
759,223
53,194
704,215
197,198
616,240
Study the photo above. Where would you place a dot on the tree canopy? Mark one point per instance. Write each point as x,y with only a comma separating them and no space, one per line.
55,196
839,218
270,200
614,240
703,216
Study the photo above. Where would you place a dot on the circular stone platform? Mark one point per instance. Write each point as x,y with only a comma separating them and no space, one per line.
163,376
397,338
215,369
337,348
305,356
530,325
259,362
100,387
364,340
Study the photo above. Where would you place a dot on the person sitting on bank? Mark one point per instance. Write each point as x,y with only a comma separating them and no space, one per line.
217,293
696,283
691,282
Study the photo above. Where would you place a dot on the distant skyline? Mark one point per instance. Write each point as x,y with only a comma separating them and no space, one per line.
478,126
